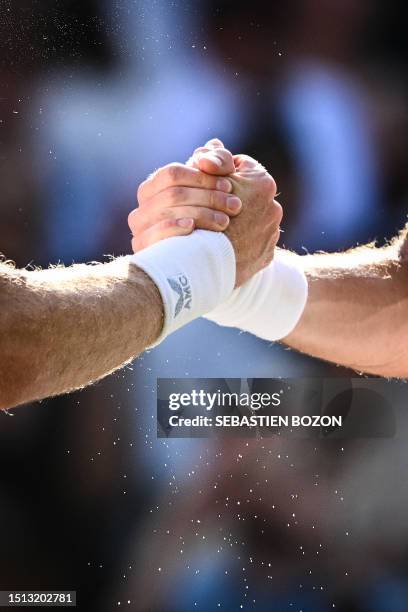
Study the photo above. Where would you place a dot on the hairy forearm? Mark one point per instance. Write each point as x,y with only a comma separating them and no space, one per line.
357,309
62,328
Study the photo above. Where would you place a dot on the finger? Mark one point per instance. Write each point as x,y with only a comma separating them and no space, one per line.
204,218
191,196
216,161
244,163
168,203
179,175
193,160
167,228
135,221
214,143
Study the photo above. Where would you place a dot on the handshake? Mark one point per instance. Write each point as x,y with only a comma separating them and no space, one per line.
204,242
212,225
178,199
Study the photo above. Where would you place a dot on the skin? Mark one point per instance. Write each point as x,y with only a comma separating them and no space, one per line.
178,199
357,309
64,328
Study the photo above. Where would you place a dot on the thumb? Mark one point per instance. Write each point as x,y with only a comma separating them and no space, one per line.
213,158
216,161
219,162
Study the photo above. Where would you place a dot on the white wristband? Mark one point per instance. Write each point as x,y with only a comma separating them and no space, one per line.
194,274
270,304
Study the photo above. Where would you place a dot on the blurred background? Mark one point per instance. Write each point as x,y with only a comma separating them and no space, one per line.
96,94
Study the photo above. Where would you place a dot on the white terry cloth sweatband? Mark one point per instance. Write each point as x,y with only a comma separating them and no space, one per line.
270,304
194,274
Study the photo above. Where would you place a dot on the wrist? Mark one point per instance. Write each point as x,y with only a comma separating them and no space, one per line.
270,304
154,319
193,275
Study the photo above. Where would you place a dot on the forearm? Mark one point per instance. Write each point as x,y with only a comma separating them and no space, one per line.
357,310
63,328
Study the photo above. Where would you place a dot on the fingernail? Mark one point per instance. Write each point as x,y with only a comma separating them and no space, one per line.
224,185
221,219
215,160
233,203
185,223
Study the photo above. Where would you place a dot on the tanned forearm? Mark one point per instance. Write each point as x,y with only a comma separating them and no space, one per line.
357,310
63,328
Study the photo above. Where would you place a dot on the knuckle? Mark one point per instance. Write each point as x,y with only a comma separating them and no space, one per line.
132,218
207,181
201,150
212,199
218,200
166,224
208,222
215,142
207,216
203,217
141,191
270,184
176,195
223,203
174,172
277,212
225,153
160,214
203,180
